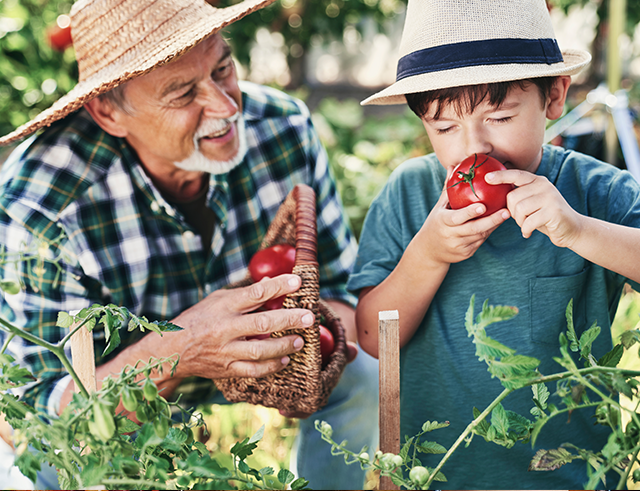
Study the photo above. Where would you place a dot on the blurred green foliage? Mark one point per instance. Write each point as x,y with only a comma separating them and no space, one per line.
363,151
32,74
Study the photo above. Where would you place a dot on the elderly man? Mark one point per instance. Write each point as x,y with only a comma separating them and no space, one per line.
164,172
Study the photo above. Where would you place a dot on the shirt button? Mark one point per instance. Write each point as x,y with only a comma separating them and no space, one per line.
188,235
155,207
170,211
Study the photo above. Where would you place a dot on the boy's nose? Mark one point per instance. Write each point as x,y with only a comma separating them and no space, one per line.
476,142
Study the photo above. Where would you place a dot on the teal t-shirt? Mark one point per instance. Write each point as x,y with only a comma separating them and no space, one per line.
441,378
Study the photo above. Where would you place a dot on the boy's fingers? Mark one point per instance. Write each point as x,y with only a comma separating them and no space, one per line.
510,176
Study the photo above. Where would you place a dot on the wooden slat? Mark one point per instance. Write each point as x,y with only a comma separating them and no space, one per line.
83,359
389,358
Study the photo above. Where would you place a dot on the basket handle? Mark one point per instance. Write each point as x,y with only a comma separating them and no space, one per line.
306,232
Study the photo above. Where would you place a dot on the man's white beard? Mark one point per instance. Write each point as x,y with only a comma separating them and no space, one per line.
198,162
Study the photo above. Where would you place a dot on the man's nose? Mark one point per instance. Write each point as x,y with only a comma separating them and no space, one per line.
216,101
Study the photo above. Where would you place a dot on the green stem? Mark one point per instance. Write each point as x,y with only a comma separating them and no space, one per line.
57,350
468,430
623,480
6,343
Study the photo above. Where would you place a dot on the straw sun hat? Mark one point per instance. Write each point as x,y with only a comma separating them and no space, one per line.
117,40
451,43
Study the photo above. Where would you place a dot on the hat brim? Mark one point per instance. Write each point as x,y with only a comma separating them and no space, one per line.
111,77
574,61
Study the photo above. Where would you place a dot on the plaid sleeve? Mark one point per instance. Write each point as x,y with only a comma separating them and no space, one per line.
49,285
336,244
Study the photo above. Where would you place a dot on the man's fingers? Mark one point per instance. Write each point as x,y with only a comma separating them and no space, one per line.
269,321
249,298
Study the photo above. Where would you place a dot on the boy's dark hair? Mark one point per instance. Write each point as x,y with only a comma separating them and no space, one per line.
466,99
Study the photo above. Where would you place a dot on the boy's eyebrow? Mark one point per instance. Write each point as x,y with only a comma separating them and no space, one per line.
176,85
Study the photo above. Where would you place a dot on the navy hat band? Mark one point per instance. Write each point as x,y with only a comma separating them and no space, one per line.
474,53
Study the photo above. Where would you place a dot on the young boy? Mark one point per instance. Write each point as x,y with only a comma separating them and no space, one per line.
484,77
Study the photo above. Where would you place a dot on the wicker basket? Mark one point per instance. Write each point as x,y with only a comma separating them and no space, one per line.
303,385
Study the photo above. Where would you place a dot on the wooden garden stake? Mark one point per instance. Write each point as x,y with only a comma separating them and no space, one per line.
82,356
389,362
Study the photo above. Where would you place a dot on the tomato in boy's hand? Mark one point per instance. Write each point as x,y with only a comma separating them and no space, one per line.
467,185
327,344
272,261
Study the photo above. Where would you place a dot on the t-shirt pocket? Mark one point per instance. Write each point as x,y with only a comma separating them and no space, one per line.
549,298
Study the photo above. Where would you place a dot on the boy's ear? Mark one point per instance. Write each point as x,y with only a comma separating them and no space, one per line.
107,117
557,97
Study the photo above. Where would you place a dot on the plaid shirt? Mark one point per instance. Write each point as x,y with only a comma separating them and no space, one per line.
124,244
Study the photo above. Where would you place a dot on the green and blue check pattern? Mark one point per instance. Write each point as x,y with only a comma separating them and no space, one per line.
124,244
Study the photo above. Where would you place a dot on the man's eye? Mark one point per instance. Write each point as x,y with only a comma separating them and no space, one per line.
222,71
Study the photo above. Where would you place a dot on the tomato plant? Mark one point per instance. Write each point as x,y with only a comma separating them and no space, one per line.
467,185
272,261
327,344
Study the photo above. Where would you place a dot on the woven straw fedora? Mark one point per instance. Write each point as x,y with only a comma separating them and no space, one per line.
452,43
118,40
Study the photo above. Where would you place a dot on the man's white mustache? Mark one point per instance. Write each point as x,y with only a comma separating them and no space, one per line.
214,125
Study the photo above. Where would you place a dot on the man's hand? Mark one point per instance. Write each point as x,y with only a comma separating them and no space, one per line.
215,332
536,204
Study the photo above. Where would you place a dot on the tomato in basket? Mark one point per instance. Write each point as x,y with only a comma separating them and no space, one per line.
272,261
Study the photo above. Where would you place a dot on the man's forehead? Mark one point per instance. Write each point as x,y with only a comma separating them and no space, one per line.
181,71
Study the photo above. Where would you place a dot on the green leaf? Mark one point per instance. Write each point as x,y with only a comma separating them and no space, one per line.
433,425
64,320
629,338
431,448
10,287
587,339
500,420
491,314
113,342
300,483
125,425
550,460
244,467
468,318
285,476
483,426
515,368
571,331
613,357
166,326
487,347
243,449
29,465
257,436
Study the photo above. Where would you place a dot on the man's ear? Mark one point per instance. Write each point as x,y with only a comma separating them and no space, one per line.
107,117
557,97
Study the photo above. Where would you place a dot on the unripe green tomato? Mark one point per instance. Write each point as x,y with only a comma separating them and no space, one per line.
161,427
636,475
142,413
130,467
397,460
129,400
150,390
104,420
419,475
364,456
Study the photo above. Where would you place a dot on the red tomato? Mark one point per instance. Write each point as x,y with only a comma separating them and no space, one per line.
467,185
327,344
274,303
59,37
272,261
258,336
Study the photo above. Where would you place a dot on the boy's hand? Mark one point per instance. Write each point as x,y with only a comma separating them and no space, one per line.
536,204
451,236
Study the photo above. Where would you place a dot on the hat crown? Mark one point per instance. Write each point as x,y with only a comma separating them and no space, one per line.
113,33
431,23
